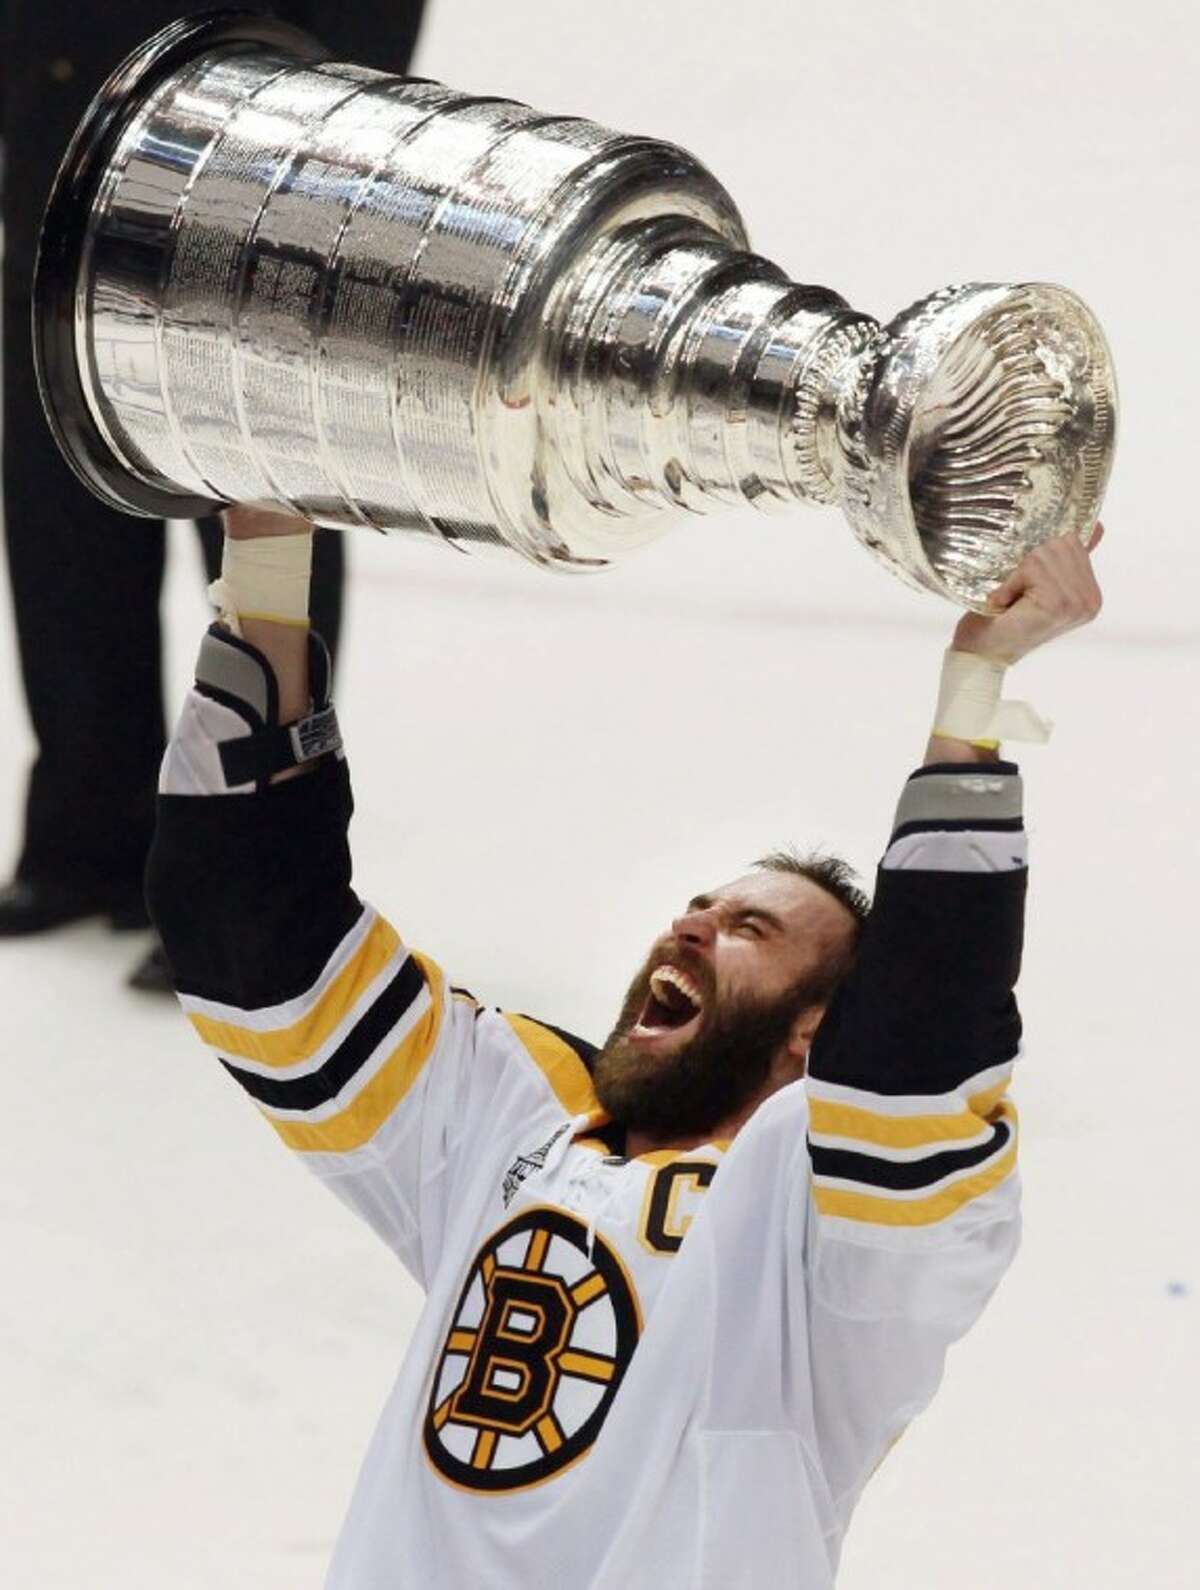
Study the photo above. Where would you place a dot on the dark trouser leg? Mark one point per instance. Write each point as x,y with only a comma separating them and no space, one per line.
329,569
85,587
86,579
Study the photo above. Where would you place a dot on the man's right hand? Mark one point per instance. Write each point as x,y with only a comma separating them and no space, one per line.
244,523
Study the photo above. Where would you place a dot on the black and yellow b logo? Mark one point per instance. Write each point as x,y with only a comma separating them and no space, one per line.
514,1364
522,1387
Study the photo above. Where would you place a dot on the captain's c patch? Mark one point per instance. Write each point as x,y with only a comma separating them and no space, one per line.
540,1340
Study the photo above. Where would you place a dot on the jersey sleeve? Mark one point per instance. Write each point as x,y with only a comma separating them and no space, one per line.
912,1215
397,1089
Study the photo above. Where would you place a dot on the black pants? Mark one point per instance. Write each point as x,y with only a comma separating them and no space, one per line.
85,579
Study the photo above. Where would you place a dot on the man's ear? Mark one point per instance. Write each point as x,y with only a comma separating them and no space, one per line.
800,1036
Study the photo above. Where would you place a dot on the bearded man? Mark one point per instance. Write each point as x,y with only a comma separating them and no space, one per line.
682,1293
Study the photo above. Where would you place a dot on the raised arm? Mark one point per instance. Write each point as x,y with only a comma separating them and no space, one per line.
243,925
390,1084
913,1213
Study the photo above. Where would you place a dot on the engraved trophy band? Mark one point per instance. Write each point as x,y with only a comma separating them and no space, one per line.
269,277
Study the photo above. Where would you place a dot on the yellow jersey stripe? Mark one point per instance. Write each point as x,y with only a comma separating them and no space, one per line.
893,1131
287,1046
914,1211
559,1064
367,1111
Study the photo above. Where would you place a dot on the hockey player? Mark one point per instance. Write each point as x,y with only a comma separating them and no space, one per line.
684,1292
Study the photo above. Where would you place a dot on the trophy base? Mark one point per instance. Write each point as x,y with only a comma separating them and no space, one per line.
65,240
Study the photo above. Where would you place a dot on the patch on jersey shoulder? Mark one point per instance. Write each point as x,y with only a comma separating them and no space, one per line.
541,1337
528,1165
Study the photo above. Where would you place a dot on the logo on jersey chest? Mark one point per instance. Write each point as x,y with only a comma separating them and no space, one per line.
540,1340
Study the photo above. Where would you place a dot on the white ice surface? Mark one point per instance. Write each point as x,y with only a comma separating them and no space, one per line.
195,1340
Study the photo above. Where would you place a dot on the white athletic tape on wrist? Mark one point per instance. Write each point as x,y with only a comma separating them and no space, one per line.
969,705
264,577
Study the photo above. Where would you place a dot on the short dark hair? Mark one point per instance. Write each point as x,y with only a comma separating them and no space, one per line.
831,873
838,879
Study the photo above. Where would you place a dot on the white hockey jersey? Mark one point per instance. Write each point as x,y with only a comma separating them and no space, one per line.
663,1373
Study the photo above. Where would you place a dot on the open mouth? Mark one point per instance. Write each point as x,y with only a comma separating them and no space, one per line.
673,1003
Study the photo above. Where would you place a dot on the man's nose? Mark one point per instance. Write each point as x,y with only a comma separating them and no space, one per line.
697,929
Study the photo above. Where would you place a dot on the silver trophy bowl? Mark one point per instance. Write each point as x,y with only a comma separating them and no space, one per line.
377,302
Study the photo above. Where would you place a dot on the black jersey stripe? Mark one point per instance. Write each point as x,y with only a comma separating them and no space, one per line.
320,1086
905,1175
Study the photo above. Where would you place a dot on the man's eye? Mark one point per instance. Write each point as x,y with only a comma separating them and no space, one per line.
751,928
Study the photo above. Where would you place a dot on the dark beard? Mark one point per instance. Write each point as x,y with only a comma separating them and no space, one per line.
712,1078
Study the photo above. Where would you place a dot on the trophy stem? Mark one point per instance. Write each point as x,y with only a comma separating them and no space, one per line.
704,376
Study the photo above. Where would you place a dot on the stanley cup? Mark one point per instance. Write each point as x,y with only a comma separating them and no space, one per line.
378,302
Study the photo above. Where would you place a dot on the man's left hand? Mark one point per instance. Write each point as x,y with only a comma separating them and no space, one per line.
1052,590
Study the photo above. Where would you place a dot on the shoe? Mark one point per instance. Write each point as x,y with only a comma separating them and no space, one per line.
30,905
152,974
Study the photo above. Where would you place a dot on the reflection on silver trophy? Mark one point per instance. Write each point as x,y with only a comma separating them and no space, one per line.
379,302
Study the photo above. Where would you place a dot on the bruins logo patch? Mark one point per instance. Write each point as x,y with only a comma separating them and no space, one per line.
540,1340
